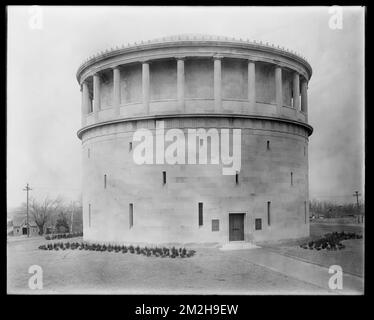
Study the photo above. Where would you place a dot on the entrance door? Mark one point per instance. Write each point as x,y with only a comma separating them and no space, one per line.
236,226
24,230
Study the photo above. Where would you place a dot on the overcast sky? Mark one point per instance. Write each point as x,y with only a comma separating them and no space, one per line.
44,100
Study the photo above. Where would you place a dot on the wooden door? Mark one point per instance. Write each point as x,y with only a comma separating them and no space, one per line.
236,226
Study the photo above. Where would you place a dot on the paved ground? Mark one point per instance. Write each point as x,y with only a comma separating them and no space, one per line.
304,271
351,259
256,271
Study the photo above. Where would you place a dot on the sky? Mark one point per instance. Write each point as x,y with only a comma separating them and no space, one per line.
46,45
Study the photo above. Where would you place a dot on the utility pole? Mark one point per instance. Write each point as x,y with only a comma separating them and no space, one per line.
357,194
72,217
27,189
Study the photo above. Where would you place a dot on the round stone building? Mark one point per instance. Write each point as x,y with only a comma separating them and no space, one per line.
207,84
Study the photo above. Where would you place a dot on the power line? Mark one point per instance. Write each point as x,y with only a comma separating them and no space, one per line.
321,196
55,187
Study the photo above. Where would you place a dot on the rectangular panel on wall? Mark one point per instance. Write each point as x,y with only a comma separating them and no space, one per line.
163,78
258,224
265,83
234,79
287,88
199,78
215,225
131,83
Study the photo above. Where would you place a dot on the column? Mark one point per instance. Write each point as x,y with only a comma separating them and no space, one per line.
217,84
278,89
85,102
96,95
180,83
145,85
304,97
83,106
251,84
116,91
296,91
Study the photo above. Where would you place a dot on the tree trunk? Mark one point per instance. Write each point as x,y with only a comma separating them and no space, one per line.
41,229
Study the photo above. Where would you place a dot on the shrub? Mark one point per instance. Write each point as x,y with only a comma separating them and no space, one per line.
63,235
156,251
331,241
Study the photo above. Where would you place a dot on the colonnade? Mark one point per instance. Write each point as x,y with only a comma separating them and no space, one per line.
299,100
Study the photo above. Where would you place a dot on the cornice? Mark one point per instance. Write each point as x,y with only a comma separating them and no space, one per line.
192,40
195,115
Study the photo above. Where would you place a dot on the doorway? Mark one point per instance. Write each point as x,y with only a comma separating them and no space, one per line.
236,227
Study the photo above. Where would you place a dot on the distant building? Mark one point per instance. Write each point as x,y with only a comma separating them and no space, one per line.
20,227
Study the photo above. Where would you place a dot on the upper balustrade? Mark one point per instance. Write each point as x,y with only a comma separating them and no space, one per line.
191,74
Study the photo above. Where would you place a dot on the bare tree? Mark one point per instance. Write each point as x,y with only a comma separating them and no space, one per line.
63,221
42,211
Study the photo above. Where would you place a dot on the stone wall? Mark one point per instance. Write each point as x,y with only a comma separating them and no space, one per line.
131,84
163,80
169,213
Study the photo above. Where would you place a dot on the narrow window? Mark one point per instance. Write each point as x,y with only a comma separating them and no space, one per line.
215,225
258,224
89,215
131,215
200,213
164,177
237,177
268,145
88,152
269,212
291,178
305,211
304,151
130,146
104,181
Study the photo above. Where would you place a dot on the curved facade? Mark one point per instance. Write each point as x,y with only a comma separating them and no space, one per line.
195,82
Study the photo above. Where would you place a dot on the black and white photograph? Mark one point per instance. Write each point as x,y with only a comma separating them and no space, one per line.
185,150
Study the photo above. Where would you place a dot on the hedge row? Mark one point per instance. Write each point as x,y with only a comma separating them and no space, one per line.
63,235
331,241
157,252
